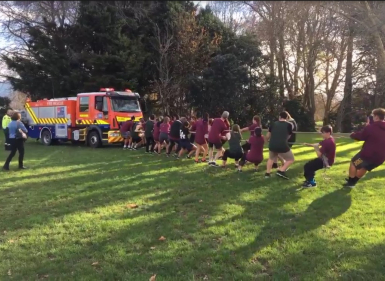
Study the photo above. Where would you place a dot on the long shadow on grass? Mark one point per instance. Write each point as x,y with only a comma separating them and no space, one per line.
319,213
333,260
182,219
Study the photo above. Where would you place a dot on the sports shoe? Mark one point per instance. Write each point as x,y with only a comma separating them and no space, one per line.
267,176
282,175
239,171
188,157
214,164
203,160
349,185
308,184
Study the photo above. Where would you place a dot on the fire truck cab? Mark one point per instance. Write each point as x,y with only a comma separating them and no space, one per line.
93,118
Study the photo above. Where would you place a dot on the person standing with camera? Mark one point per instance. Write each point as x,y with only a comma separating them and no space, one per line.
17,134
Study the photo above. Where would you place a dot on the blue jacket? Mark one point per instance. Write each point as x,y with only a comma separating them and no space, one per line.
14,126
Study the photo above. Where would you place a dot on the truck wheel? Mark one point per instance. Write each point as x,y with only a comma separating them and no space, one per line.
46,137
94,139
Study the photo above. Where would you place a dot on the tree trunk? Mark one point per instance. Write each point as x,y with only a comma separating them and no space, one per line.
299,54
332,91
345,110
380,73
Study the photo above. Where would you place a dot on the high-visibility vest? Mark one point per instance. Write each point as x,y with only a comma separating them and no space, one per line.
6,121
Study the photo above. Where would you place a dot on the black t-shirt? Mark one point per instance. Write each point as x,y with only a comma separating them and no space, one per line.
175,129
183,134
280,132
294,129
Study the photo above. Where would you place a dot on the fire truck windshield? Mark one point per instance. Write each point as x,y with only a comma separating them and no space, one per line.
125,104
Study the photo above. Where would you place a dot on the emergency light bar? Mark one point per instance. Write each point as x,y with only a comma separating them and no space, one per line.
128,90
107,89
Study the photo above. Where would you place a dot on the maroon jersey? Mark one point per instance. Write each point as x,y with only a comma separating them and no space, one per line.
218,128
126,127
165,128
252,128
328,148
201,129
255,154
373,136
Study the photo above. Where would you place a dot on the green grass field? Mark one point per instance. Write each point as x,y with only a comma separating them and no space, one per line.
68,218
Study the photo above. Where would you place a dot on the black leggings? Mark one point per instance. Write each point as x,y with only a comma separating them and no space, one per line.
16,145
228,154
246,147
150,140
311,167
172,143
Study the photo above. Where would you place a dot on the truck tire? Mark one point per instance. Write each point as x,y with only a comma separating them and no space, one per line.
46,137
93,139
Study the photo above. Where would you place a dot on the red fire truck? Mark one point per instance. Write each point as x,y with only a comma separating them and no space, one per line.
92,118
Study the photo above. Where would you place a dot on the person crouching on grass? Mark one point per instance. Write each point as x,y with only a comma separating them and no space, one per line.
325,157
255,124
255,153
279,133
185,144
235,150
136,134
372,153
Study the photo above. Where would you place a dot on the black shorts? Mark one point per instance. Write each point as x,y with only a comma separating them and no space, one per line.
246,146
163,137
360,163
136,139
216,145
186,145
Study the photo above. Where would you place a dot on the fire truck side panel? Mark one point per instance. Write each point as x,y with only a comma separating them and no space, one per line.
54,116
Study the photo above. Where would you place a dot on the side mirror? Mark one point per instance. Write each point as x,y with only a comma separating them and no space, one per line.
143,105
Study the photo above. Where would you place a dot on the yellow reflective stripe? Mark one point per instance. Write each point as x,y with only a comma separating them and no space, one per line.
31,113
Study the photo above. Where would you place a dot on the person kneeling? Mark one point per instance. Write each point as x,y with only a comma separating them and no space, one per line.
372,153
325,157
255,154
235,150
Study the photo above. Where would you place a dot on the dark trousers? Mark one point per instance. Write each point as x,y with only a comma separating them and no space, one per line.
6,139
192,138
228,154
172,143
16,145
150,141
311,167
6,134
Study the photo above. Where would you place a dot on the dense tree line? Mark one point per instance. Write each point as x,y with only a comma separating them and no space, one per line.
248,57
182,58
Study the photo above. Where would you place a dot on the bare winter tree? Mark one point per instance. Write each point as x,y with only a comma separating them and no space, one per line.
16,16
163,84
